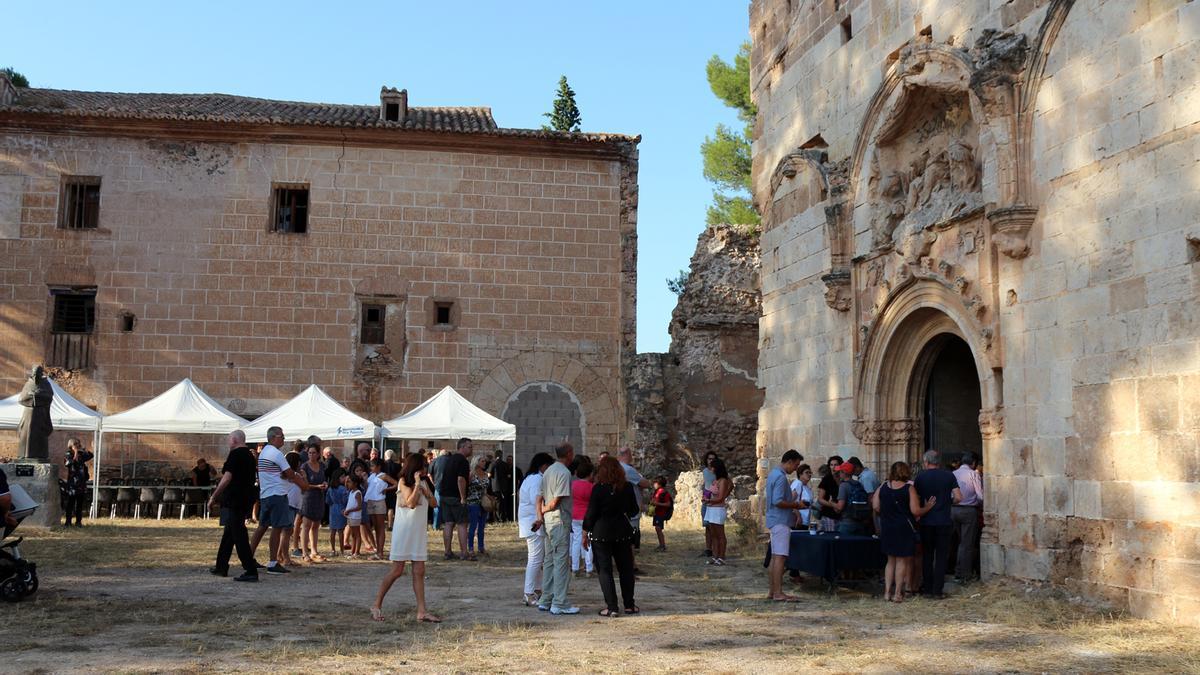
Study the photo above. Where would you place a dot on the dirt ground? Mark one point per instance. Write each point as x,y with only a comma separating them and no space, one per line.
136,597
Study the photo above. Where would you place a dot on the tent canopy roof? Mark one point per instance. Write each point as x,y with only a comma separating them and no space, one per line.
65,412
182,409
449,415
310,412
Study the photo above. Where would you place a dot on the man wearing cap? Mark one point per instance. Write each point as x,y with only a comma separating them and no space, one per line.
780,502
965,515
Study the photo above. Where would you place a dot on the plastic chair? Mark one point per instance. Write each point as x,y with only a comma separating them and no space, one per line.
148,496
171,496
125,497
107,496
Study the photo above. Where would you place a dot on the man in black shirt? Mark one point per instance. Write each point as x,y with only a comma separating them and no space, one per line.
502,487
235,494
937,528
453,500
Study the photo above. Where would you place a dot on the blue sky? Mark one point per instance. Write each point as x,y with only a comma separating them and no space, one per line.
637,68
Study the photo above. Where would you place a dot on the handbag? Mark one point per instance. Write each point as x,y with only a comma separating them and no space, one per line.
488,502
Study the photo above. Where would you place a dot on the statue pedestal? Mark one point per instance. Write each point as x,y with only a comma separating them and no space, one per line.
40,480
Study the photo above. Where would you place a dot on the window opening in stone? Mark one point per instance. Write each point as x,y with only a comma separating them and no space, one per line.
372,332
80,203
443,313
71,327
1193,249
127,322
290,214
391,112
952,401
74,312
847,30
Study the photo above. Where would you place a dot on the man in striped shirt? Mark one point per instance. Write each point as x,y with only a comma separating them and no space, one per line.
273,509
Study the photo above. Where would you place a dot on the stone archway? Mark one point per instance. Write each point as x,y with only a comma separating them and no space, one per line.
944,396
546,414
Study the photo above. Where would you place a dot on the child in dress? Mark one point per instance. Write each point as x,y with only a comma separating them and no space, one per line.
337,497
353,513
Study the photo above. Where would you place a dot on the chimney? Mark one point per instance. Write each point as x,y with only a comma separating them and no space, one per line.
393,104
8,92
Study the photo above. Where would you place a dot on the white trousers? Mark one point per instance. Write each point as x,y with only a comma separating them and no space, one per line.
536,546
577,549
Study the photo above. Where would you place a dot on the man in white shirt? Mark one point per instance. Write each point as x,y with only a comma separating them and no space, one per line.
965,515
273,509
639,483
556,514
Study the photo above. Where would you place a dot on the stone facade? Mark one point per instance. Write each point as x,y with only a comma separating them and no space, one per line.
1019,178
498,259
702,395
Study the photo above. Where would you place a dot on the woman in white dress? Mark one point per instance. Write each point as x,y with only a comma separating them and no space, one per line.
410,536
528,510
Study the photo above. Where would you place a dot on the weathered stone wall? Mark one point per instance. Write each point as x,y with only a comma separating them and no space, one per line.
531,246
1075,285
702,395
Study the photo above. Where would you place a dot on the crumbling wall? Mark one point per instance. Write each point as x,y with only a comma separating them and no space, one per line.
703,394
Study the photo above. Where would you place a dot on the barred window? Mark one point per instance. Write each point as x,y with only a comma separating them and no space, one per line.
79,203
290,209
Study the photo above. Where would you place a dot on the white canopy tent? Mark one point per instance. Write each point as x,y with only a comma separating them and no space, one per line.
66,413
448,415
311,412
182,409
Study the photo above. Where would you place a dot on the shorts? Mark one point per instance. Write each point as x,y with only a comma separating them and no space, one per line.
453,511
715,515
781,540
274,511
354,522
376,507
659,521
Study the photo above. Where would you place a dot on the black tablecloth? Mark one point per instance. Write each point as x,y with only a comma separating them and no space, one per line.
828,553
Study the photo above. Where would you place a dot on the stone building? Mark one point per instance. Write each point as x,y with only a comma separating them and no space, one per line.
981,233
255,246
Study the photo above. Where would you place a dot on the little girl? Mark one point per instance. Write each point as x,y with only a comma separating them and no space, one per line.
353,513
295,488
337,497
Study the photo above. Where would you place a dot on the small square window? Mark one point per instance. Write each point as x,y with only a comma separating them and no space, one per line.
290,209
372,332
391,112
847,30
79,203
74,312
443,313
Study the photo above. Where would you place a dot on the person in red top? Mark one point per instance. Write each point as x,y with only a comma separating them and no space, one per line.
581,494
662,509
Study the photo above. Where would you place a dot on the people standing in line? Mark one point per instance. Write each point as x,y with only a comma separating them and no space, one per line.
452,498
392,469
853,504
410,538
354,513
803,495
312,505
779,506
717,511
76,483
336,499
708,476
898,507
274,474
609,533
234,495
476,489
965,515
502,487
378,483
639,482
827,491
555,516
938,486
865,476
661,501
581,495
367,531
529,503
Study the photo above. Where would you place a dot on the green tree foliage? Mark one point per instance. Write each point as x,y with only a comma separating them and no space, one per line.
727,152
565,116
676,285
16,78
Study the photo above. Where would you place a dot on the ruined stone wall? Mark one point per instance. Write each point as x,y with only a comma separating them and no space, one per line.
1074,281
530,248
702,394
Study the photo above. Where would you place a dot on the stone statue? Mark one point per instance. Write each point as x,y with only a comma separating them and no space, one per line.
916,181
964,175
35,427
937,177
893,211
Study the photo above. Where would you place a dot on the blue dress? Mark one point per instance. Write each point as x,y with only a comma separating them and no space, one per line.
337,498
897,532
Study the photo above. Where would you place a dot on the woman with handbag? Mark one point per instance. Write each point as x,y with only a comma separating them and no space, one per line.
608,532
897,504
477,489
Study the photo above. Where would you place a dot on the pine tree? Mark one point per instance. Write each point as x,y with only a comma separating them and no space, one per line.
727,153
16,78
565,116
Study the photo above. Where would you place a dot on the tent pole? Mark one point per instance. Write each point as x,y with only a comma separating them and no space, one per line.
514,480
98,443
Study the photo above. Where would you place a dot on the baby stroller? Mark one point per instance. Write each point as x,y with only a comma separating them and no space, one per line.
18,576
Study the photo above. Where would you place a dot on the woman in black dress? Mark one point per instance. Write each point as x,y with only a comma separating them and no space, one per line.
897,504
606,528
827,492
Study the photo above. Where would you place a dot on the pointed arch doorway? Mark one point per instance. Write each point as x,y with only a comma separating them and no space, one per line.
945,397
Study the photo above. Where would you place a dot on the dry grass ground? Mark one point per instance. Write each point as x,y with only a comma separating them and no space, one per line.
135,597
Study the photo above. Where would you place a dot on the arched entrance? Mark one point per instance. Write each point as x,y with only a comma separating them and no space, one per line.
945,398
545,414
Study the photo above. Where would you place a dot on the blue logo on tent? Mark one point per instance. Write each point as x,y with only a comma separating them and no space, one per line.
349,431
